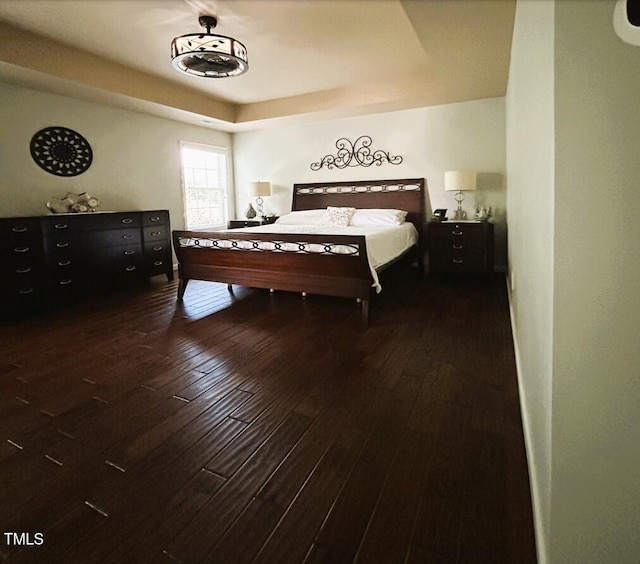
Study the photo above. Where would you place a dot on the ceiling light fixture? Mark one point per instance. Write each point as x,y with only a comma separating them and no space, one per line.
208,55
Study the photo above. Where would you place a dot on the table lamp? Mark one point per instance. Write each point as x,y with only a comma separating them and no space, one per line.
259,189
459,181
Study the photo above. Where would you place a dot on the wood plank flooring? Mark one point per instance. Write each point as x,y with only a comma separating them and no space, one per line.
252,427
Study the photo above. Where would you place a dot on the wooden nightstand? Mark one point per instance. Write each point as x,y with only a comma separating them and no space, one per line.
460,246
237,223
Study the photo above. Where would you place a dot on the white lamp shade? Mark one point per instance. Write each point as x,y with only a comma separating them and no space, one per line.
260,188
460,180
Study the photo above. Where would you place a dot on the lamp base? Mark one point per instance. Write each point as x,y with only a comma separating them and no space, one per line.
250,212
459,215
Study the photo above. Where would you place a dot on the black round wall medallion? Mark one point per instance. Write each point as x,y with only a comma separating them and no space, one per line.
61,151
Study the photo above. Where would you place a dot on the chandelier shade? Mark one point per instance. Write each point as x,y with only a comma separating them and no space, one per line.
207,55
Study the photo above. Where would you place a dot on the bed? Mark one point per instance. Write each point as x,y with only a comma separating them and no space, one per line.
291,255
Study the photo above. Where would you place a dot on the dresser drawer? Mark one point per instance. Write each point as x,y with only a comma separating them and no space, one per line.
23,254
66,223
19,232
155,233
73,242
157,217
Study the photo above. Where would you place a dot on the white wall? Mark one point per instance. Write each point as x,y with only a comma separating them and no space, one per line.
573,132
530,209
136,160
596,389
430,140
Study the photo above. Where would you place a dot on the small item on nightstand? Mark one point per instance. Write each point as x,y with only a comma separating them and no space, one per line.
482,213
440,214
250,212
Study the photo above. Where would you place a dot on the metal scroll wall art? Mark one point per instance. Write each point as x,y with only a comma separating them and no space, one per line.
355,154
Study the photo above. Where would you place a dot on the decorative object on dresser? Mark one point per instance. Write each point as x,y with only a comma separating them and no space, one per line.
61,151
54,260
309,261
355,154
257,190
459,181
465,246
73,203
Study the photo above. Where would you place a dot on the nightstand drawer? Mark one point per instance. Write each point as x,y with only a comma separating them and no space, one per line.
238,223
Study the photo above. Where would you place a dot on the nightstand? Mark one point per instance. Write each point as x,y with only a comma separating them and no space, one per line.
460,246
237,223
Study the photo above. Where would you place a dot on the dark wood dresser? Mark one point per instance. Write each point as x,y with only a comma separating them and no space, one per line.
53,260
465,246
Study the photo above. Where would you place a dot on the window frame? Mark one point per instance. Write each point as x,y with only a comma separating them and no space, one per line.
226,190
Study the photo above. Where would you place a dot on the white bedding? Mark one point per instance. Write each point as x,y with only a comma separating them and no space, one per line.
384,242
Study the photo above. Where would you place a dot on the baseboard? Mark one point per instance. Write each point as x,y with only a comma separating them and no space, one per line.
541,540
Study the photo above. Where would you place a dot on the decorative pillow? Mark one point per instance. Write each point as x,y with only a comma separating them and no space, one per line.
336,217
302,217
378,217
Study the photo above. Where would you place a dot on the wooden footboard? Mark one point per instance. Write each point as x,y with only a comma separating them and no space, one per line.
331,265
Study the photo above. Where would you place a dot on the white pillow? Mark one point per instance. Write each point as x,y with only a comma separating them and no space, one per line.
302,217
336,217
378,217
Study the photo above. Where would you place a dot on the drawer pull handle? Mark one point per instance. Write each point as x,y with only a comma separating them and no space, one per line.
23,269
127,236
60,225
457,246
127,220
458,261
155,233
19,229
129,252
157,248
456,232
65,282
62,244
64,262
155,218
130,268
157,263
21,249
25,291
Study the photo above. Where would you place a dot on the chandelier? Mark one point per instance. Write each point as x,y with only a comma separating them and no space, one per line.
208,55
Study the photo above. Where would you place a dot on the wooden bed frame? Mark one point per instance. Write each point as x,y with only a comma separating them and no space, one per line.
313,268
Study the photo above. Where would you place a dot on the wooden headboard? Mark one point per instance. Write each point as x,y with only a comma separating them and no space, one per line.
404,194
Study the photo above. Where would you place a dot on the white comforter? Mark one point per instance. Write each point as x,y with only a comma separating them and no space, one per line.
384,242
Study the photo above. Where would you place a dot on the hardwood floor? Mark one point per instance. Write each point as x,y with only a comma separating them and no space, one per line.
251,427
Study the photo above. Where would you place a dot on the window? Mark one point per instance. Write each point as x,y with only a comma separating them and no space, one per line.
205,184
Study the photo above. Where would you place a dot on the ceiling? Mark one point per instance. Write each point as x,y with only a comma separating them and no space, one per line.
308,59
